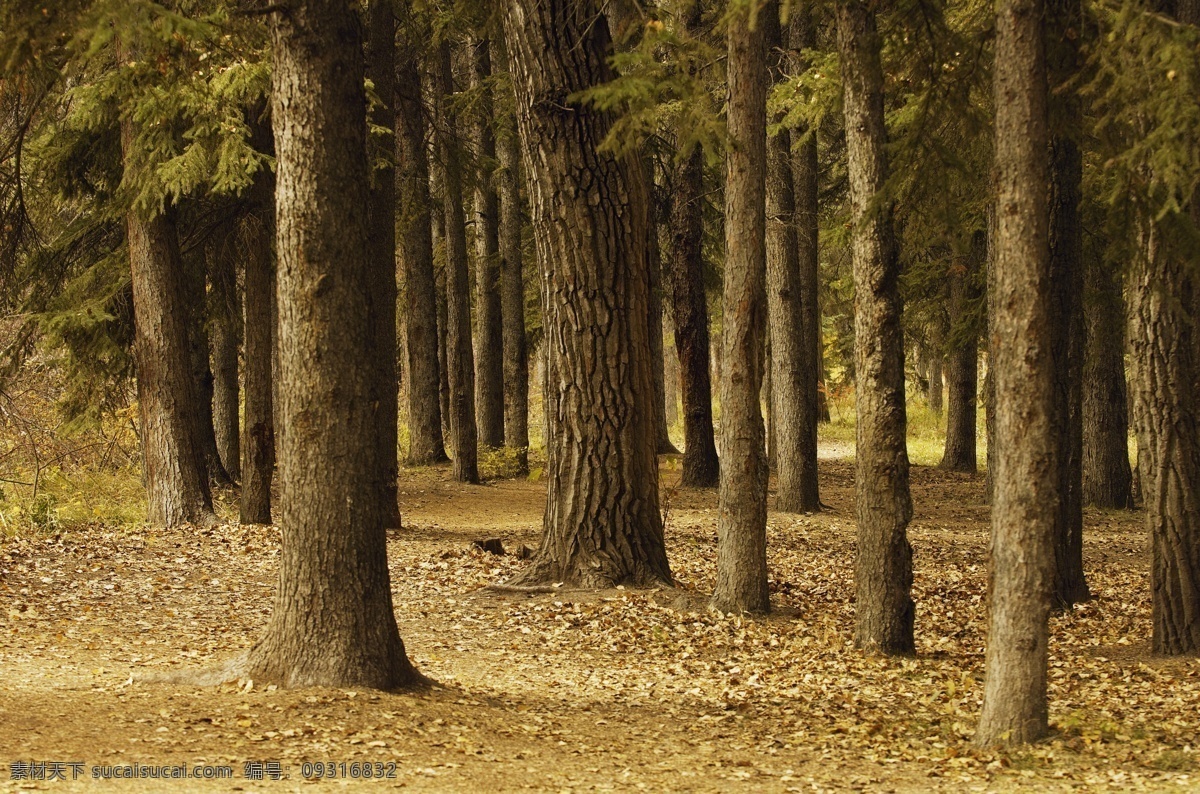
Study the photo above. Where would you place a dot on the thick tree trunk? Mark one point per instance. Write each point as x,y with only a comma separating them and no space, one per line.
1026,478
602,524
883,506
792,370
512,295
689,312
489,357
742,506
195,276
333,623
258,442
1066,280
813,408
225,315
460,366
415,252
962,362
381,256
1107,479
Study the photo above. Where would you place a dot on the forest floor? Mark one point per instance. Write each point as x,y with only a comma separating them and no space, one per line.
614,690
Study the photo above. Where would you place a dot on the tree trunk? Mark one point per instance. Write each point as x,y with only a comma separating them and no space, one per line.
814,409
460,366
489,357
415,252
1107,479
962,362
742,506
195,275
258,442
935,379
381,256
689,311
602,524
333,623
792,372
512,295
1025,498
883,506
654,322
1066,284
225,313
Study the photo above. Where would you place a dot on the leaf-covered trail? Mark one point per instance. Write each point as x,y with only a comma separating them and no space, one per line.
607,691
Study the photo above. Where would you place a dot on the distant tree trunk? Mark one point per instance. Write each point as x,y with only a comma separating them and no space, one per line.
489,357
813,407
1107,479
822,381
195,276
1026,484
962,370
670,374
689,310
333,622
742,502
460,366
883,506
415,252
381,256
935,378
512,294
654,322
258,442
225,313
602,525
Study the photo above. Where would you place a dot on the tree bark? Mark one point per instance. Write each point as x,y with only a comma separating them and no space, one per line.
602,525
1026,480
415,252
512,295
1107,479
195,277
333,623
380,57
793,374
258,442
742,501
489,357
883,506
962,362
225,314
654,322
935,379
460,366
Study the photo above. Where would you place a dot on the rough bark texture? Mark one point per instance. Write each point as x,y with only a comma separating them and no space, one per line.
883,506
1026,480
962,360
689,312
512,297
742,503
602,524
381,256
333,623
489,357
225,316
1107,479
258,441
792,372
460,366
803,35
415,252
1066,280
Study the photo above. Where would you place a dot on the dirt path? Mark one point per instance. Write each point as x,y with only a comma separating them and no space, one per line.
579,692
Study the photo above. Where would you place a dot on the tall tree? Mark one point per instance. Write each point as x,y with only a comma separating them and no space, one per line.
415,252
689,307
962,370
1066,279
742,500
460,366
333,623
258,299
654,320
1107,479
381,253
489,357
602,524
225,313
793,378
883,506
1024,500
195,278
